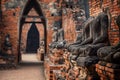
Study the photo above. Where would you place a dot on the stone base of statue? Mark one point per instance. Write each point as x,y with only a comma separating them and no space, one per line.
87,61
73,73
108,71
88,73
56,60
86,67
62,74
50,67
57,52
56,56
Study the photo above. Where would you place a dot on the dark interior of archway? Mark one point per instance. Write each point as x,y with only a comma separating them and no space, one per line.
32,39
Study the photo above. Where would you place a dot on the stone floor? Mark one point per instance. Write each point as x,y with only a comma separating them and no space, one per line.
24,72
29,69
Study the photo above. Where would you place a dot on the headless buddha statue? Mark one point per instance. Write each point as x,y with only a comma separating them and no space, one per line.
111,53
88,53
84,38
79,18
58,36
61,42
54,38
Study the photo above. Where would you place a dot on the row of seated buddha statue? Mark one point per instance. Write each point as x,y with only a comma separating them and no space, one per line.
57,45
90,47
94,36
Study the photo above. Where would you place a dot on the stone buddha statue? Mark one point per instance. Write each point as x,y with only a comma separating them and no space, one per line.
58,36
84,38
54,38
79,18
7,46
61,41
111,53
88,53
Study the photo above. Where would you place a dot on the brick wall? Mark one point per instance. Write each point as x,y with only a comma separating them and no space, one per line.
69,27
10,18
10,25
114,10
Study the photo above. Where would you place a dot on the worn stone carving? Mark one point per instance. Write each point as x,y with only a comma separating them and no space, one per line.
110,53
58,36
85,38
61,41
99,37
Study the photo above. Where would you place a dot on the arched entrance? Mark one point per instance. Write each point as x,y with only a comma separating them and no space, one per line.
29,5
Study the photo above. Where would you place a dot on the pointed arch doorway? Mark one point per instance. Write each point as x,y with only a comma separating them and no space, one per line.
27,8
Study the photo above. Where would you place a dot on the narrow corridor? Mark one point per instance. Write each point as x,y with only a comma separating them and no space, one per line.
24,72
59,39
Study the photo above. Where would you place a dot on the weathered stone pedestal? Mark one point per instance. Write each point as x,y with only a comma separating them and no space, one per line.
53,63
108,71
49,68
87,68
56,57
68,72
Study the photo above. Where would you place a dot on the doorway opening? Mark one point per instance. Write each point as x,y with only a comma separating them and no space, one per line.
32,39
30,22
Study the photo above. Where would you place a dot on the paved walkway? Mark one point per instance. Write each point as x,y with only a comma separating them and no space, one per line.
25,72
29,58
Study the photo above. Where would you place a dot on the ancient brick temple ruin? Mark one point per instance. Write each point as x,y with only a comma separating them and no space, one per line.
60,39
